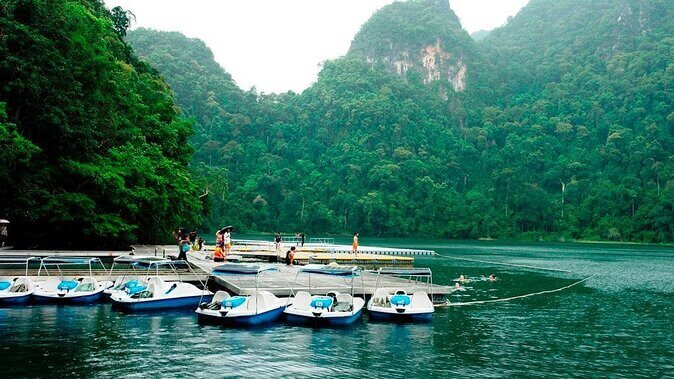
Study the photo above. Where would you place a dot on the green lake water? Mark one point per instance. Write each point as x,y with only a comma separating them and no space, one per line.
619,323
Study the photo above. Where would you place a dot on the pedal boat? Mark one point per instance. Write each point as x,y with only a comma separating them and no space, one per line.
134,276
333,309
69,289
260,307
160,294
395,304
16,289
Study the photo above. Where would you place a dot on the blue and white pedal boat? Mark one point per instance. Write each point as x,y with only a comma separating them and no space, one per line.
69,289
160,294
134,276
16,289
332,309
260,307
388,304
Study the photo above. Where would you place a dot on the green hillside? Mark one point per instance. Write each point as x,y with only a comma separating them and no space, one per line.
558,125
94,152
561,127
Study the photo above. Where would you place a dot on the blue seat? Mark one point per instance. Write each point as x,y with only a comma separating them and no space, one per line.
135,289
321,302
400,300
67,285
233,302
4,285
131,284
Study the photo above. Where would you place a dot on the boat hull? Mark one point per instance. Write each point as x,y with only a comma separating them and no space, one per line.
85,298
157,304
15,299
243,320
400,317
324,319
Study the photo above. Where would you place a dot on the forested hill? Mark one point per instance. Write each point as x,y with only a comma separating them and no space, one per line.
93,151
561,126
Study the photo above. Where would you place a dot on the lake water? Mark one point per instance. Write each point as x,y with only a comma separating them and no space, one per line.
618,323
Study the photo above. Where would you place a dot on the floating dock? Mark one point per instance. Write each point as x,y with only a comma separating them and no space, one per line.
281,283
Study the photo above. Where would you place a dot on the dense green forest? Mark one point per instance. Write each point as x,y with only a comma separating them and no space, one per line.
563,129
94,151
558,125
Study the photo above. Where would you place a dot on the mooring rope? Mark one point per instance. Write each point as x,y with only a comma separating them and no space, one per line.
504,264
449,304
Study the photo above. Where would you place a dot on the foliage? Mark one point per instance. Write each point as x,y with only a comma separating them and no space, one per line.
565,129
94,151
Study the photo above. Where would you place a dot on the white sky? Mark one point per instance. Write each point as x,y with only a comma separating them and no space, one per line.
278,45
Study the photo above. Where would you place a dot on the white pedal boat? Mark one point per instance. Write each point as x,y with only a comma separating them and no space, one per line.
135,273
160,294
334,308
388,304
68,289
260,307
16,289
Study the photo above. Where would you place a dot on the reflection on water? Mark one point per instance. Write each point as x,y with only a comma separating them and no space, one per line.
616,324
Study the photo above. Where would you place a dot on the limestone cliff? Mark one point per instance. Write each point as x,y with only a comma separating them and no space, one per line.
419,36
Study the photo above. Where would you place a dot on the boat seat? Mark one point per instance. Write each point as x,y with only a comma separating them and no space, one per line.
399,300
342,307
19,287
131,283
135,289
302,300
322,302
343,303
256,301
67,285
220,296
233,302
4,285
86,287
420,300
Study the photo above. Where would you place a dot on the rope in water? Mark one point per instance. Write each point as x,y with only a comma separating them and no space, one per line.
504,264
448,304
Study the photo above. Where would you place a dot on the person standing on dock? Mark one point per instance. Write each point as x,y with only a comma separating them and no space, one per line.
183,247
354,247
227,239
302,237
277,241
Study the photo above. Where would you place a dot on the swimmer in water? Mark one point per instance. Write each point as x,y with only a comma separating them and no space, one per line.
462,279
492,277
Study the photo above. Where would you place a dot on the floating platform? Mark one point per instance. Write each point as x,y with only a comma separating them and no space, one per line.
280,283
326,247
266,252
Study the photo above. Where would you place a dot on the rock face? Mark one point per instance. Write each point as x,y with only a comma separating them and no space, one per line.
422,36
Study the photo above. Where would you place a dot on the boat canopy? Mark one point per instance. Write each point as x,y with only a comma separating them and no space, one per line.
405,271
156,262
135,258
6,260
331,270
70,260
242,269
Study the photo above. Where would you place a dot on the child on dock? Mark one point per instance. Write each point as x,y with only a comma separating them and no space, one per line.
354,247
